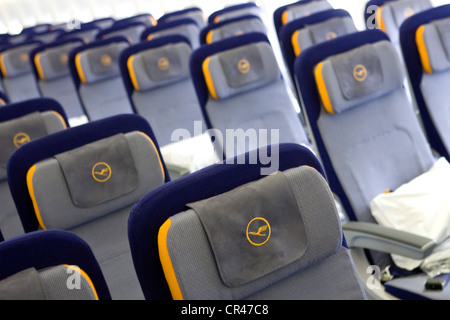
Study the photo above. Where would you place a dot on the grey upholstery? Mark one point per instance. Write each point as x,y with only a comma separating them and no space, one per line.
19,83
10,224
250,97
251,24
102,91
292,247
190,31
154,85
301,10
102,221
131,32
55,80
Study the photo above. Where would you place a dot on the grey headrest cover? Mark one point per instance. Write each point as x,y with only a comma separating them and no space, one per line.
16,61
243,69
188,30
16,132
132,33
237,13
99,172
303,10
161,66
436,41
53,61
362,74
24,285
101,63
401,10
324,31
237,28
268,211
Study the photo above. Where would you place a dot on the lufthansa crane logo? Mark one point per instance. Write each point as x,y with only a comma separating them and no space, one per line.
258,231
101,172
163,63
243,66
106,60
20,139
360,73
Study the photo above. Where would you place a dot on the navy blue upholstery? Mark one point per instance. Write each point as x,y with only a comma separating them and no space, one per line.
47,248
21,161
131,30
416,72
176,27
172,197
194,12
145,18
233,10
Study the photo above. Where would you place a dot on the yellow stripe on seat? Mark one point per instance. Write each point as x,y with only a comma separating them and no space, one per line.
379,18
209,36
208,78
2,65
86,277
166,263
132,73
37,63
421,47
37,212
284,17
80,68
295,44
322,88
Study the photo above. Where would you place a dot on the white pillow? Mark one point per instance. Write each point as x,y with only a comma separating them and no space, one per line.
421,206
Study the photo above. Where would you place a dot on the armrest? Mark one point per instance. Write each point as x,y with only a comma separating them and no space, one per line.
376,237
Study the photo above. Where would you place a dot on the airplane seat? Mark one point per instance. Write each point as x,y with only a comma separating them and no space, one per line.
131,31
50,265
234,11
50,67
232,27
303,33
236,209
296,10
369,141
424,41
85,180
87,33
102,23
390,14
240,88
20,123
187,28
152,71
95,71
194,13
18,80
46,37
145,18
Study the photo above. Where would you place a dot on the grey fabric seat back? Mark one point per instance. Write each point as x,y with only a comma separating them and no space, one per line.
301,10
51,283
13,134
186,28
246,92
365,114
131,32
320,32
90,191
433,41
18,80
101,90
54,79
237,27
390,16
275,238
157,73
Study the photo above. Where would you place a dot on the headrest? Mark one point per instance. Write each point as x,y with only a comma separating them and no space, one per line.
193,13
301,10
320,32
14,133
100,62
131,31
234,27
16,60
241,69
52,62
359,75
234,11
94,180
391,15
187,28
159,66
87,34
144,18
245,243
433,44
